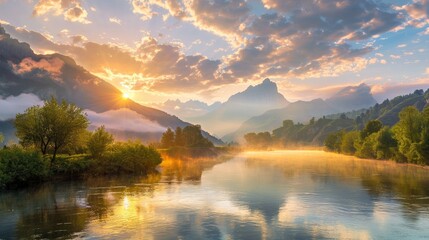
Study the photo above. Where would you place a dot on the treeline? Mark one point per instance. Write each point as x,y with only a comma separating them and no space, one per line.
407,141
292,134
55,142
189,137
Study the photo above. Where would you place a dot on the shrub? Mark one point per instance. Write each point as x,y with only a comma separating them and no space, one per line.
20,167
129,157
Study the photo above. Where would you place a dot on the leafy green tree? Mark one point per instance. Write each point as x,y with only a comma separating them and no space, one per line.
179,141
193,137
334,140
424,139
99,141
167,139
1,138
408,132
371,127
385,144
367,149
52,126
348,142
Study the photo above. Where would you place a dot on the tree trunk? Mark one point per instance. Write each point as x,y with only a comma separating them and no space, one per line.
54,156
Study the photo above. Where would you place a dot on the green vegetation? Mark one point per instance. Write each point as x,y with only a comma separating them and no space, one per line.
407,141
19,166
99,141
290,134
51,127
54,143
188,137
129,157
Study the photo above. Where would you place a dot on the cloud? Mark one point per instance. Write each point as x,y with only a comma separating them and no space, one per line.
44,67
391,90
427,71
145,8
71,9
12,105
329,38
123,119
418,10
115,20
221,17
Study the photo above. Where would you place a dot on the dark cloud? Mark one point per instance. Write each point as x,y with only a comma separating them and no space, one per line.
294,38
304,37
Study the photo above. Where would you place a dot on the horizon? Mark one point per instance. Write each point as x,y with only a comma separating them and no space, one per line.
154,52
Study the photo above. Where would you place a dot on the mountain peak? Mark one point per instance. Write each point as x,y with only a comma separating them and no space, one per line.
352,97
267,81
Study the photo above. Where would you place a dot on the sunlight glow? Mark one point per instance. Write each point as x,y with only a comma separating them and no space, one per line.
125,95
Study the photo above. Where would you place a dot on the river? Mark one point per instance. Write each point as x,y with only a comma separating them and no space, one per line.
253,195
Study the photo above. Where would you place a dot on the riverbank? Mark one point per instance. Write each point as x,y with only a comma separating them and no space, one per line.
22,168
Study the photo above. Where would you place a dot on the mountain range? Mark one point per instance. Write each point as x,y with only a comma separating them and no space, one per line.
24,73
348,99
188,110
254,101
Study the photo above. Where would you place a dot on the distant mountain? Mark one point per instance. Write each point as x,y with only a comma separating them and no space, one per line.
189,109
349,98
352,97
24,72
254,101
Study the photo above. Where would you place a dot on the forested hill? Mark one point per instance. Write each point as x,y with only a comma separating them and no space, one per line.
316,131
387,112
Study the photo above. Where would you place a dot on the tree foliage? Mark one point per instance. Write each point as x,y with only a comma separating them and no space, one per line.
406,141
190,136
167,139
50,127
260,140
99,141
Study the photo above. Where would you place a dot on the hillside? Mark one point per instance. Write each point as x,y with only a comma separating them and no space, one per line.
350,98
316,131
24,72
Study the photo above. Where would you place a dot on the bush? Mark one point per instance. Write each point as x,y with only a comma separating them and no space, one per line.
71,165
20,167
129,157
99,142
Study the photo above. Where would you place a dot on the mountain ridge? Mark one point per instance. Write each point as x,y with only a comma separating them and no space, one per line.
302,111
254,100
23,71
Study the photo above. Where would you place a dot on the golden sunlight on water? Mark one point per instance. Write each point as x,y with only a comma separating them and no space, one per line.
254,195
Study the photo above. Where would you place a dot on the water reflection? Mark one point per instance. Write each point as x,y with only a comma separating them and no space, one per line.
265,195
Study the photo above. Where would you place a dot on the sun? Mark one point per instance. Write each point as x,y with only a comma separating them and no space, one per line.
125,95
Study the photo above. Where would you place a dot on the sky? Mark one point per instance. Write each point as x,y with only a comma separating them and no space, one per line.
155,50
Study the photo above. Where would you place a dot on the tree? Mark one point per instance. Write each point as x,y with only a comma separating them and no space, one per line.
348,142
1,138
193,138
408,132
385,144
179,141
334,140
52,126
99,142
367,149
370,128
167,139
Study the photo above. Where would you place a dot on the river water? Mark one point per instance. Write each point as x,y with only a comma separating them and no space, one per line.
253,195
